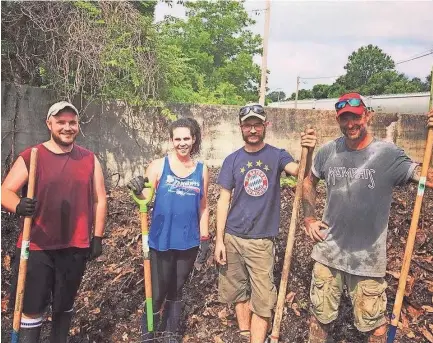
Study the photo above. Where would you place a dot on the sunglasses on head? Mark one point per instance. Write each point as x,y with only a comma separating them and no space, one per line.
351,102
258,109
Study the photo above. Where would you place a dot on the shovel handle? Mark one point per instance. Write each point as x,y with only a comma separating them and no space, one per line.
412,232
142,203
25,244
289,248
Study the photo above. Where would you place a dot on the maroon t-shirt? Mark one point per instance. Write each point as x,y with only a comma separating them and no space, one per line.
64,193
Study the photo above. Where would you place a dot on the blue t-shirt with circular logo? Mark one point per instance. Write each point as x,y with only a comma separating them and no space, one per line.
254,178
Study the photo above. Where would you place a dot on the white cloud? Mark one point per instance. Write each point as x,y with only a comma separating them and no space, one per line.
314,39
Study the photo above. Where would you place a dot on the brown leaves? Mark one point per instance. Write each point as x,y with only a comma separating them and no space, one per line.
7,263
294,306
427,308
410,281
5,302
427,334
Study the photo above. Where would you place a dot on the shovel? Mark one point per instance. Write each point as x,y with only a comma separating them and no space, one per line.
412,232
25,244
142,203
289,249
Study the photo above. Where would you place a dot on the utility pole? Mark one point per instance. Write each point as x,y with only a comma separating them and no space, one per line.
297,91
265,53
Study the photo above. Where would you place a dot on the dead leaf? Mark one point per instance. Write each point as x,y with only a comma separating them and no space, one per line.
295,309
410,281
5,302
413,312
218,339
290,297
427,334
427,308
411,334
222,315
396,275
96,311
7,263
403,324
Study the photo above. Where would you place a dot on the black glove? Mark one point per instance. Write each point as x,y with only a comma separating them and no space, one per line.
203,250
137,184
95,248
26,207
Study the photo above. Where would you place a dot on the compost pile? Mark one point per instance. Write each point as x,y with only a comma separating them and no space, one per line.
110,301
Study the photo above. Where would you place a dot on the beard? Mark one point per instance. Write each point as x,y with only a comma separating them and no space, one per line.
362,132
261,138
59,141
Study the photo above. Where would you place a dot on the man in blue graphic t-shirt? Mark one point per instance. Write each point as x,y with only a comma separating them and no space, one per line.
245,231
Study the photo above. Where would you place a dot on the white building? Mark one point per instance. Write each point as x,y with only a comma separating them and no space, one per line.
390,103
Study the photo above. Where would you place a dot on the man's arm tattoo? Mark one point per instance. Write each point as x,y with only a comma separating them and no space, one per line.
309,196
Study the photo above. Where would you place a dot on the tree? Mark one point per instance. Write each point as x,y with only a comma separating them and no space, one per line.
420,85
302,94
363,64
218,49
106,50
276,96
320,91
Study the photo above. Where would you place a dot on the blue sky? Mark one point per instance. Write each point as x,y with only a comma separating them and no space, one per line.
315,38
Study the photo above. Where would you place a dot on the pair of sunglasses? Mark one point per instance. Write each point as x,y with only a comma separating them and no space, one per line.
351,102
258,109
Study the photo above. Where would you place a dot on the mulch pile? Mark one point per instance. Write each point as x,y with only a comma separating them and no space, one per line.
110,301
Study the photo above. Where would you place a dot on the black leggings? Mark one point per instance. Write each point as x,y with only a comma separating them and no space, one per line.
170,270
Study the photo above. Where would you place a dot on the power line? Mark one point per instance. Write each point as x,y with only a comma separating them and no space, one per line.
415,58
319,77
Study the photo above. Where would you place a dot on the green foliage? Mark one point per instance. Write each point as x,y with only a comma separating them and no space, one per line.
90,7
369,71
216,51
288,181
146,7
105,50
276,96
363,64
320,91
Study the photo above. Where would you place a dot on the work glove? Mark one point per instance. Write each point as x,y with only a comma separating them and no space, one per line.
26,207
137,184
95,248
203,250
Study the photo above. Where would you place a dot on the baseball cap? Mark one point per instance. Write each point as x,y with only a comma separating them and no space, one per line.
254,110
345,104
58,106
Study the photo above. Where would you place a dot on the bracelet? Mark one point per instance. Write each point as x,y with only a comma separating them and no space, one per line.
204,238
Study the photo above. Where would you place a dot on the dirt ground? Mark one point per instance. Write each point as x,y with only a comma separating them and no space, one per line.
110,301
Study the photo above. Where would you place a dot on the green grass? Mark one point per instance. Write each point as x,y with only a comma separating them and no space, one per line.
288,181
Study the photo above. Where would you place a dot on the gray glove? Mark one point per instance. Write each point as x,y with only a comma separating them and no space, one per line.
137,184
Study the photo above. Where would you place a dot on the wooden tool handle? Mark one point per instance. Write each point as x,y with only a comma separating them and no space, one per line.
24,249
412,230
289,248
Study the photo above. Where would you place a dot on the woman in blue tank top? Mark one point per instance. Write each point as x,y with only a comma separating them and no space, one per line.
179,232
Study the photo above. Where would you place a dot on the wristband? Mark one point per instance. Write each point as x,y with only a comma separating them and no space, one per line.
204,238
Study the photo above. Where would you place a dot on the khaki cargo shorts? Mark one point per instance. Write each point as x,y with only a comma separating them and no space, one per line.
248,274
366,293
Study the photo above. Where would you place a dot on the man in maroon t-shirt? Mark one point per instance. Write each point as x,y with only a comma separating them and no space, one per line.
68,212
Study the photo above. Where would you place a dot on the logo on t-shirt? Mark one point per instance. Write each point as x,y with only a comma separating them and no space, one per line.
256,182
182,186
351,173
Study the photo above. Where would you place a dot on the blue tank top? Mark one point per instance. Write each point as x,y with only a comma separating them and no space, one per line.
176,213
